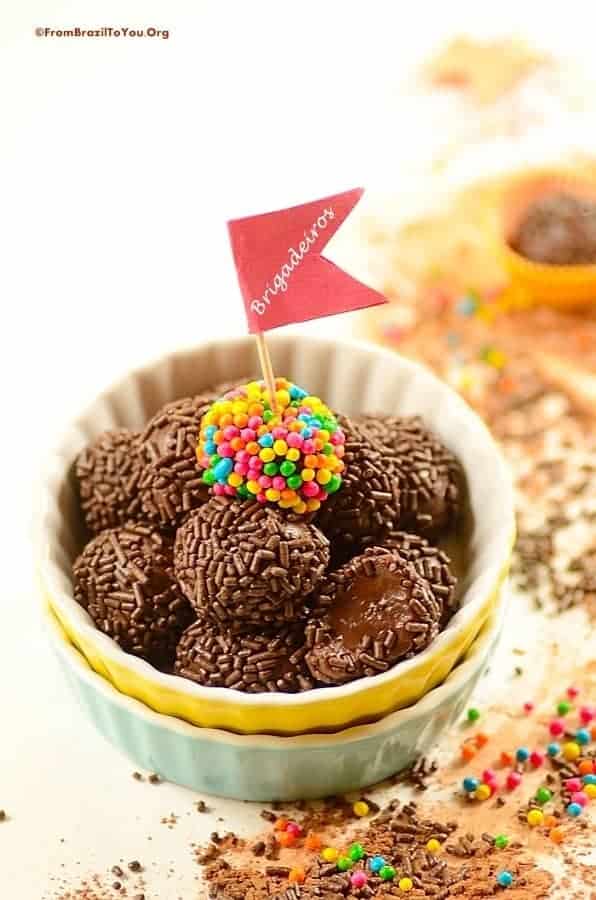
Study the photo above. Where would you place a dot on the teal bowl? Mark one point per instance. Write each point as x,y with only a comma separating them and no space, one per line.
263,767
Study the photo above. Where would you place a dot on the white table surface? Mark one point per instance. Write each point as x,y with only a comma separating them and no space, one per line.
120,163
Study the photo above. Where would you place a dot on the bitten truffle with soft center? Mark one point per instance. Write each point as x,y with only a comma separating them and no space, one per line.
171,482
124,578
381,610
255,661
247,562
431,563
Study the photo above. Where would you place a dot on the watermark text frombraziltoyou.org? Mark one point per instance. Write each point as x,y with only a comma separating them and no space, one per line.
106,31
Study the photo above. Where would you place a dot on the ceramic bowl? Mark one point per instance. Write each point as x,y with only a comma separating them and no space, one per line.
263,767
352,377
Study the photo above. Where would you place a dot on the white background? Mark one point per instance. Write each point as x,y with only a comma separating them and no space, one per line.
121,161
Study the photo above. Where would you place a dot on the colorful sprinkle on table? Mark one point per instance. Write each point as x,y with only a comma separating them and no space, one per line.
504,879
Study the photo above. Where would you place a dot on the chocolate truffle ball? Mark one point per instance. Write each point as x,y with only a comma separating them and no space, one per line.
367,505
124,579
171,482
256,660
381,611
430,477
559,229
431,563
245,562
107,473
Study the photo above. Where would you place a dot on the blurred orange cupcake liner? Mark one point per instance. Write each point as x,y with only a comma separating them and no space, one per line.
560,286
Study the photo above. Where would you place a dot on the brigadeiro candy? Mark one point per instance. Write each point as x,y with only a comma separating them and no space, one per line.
430,477
171,485
381,611
431,563
368,505
239,561
286,451
255,661
124,578
107,473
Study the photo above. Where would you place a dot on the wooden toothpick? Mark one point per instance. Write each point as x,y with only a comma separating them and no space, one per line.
266,368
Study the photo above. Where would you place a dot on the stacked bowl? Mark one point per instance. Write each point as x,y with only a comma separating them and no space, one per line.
275,745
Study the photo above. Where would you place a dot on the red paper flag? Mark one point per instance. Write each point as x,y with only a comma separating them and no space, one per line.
283,277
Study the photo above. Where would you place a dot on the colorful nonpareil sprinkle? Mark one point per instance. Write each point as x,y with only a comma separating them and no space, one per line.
470,784
376,864
356,852
290,457
505,879
571,750
543,795
360,808
358,879
483,792
574,809
501,841
297,875
405,884
387,873
535,817
473,715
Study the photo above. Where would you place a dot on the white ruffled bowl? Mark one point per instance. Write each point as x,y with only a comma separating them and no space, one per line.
352,377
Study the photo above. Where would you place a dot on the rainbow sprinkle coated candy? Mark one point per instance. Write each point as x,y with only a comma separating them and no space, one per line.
291,458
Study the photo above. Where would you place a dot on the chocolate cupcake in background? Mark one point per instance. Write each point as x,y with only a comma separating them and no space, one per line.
124,578
558,229
107,472
431,563
254,660
368,504
171,484
380,610
430,477
247,562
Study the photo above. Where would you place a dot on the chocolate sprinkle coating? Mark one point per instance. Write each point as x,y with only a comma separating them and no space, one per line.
255,661
430,477
431,563
559,229
171,482
381,611
368,504
107,472
245,562
124,579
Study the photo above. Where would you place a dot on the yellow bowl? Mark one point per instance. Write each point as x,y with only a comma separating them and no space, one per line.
560,286
353,377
